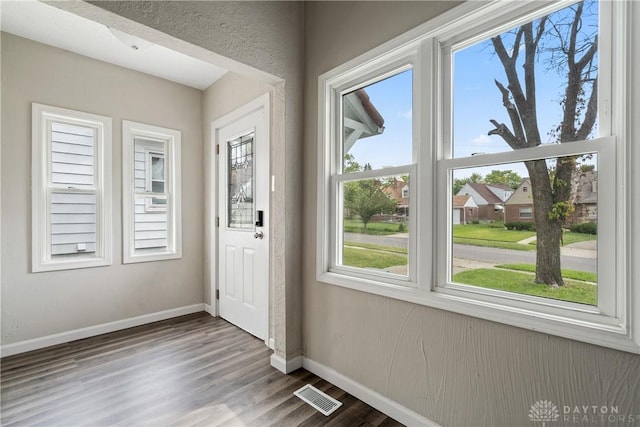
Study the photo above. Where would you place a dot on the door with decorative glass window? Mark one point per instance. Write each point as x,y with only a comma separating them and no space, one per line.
243,210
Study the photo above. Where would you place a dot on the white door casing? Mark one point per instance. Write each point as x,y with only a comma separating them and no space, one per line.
243,190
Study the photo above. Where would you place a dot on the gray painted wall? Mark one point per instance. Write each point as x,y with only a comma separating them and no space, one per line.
40,304
452,369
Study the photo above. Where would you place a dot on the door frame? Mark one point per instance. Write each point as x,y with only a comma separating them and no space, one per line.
262,102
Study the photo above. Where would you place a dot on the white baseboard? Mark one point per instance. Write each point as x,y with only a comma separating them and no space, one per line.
90,331
209,310
286,366
271,344
383,404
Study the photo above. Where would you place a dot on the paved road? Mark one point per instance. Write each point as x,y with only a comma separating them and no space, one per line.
479,253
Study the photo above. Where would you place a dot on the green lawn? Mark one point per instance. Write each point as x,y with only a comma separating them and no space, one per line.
377,228
522,283
494,244
489,235
567,274
483,232
367,258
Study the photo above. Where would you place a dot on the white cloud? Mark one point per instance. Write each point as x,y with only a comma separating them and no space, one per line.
482,139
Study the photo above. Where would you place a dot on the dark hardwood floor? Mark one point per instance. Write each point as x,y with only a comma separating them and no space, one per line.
191,370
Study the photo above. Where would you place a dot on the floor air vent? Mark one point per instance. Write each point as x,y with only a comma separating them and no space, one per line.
319,400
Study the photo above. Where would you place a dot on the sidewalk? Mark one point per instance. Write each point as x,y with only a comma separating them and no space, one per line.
586,249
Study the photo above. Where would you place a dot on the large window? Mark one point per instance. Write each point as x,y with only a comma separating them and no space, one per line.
151,203
71,196
373,162
522,108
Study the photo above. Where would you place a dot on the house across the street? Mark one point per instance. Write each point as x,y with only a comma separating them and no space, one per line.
489,198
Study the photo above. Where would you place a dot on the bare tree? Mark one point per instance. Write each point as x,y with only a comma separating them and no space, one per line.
572,52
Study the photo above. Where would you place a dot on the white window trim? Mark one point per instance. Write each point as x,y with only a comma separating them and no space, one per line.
42,118
613,326
173,142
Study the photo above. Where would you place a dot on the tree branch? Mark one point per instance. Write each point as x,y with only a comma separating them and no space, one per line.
590,115
503,131
588,56
514,115
575,28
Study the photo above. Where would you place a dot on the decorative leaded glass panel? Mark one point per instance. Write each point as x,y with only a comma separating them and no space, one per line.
240,181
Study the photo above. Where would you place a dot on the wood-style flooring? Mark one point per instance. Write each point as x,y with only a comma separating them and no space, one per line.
191,370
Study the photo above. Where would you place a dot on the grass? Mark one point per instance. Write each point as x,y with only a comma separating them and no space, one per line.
376,247
570,237
366,258
488,235
376,228
494,244
522,283
584,276
483,232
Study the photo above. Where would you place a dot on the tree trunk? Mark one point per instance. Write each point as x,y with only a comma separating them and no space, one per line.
549,231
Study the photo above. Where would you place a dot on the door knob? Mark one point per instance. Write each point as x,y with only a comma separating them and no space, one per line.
259,235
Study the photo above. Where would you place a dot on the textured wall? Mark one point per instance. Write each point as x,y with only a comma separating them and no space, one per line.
452,369
269,37
36,305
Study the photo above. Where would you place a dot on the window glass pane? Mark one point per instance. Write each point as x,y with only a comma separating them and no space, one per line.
73,224
157,168
507,238
150,226
72,156
376,233
157,186
240,206
377,124
500,103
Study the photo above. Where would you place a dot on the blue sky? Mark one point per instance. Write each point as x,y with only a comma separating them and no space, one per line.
476,100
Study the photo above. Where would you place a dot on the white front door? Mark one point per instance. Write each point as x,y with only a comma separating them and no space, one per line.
243,211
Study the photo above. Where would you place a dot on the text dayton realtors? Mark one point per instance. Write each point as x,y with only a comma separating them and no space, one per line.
596,414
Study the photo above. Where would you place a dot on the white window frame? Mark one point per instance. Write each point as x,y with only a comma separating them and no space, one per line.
387,66
172,140
611,323
43,116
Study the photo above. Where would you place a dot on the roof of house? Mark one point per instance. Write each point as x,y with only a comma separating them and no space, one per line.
486,194
500,186
371,110
394,190
521,197
461,201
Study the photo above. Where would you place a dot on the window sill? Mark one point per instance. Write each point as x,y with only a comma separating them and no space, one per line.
70,264
148,257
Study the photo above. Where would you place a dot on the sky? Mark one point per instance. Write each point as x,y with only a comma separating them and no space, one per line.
476,100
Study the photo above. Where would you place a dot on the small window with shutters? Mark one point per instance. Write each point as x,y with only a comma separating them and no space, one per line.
71,198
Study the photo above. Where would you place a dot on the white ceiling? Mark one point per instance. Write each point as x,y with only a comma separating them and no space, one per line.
46,24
